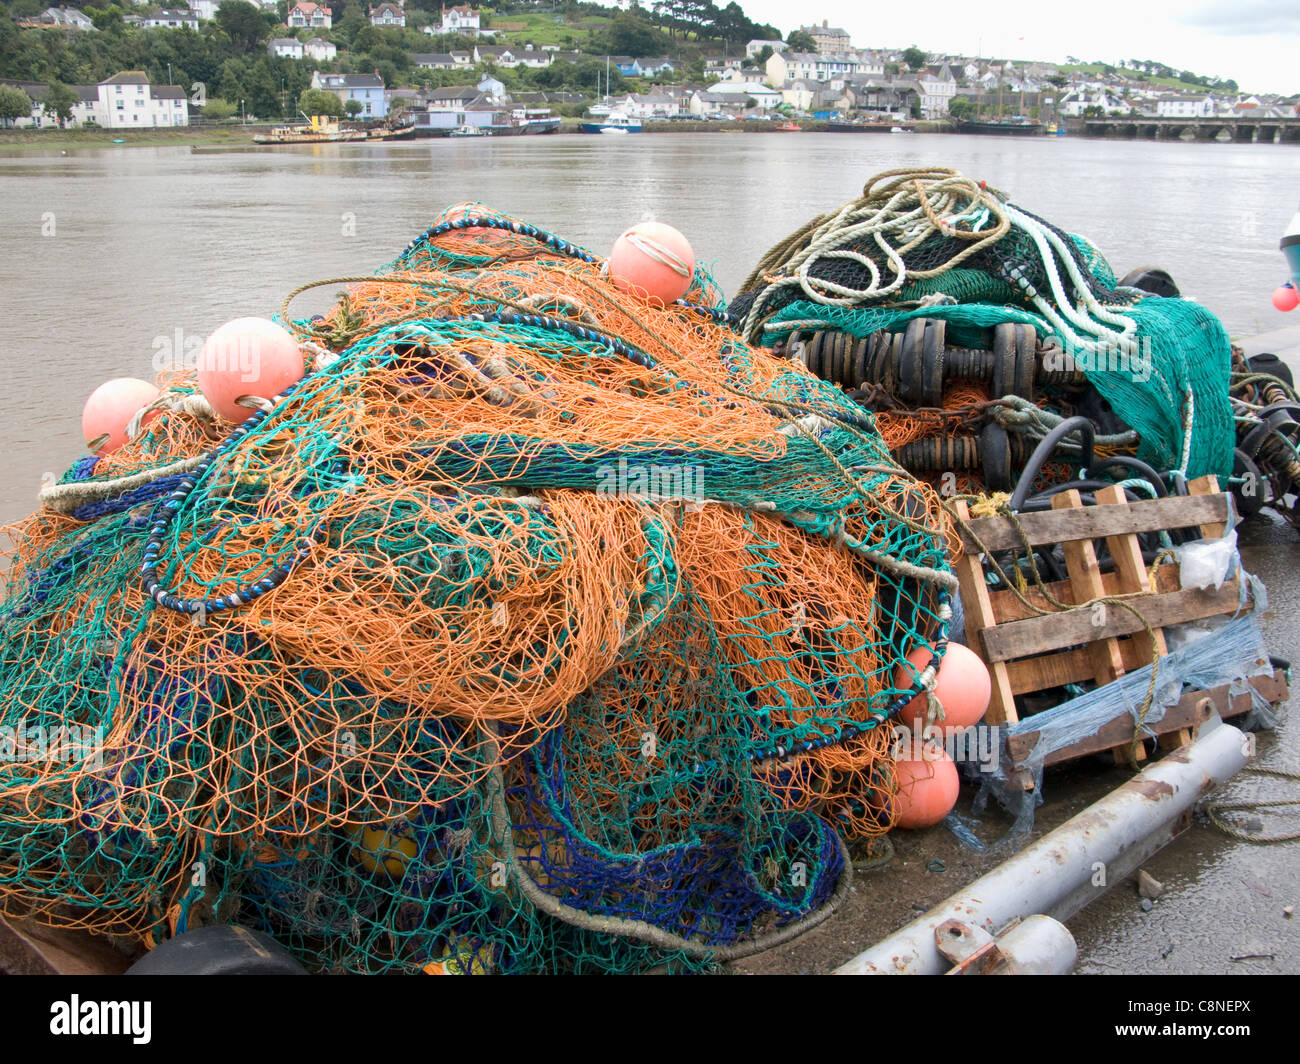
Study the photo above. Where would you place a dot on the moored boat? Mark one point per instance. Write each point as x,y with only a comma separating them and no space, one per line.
616,120
1015,126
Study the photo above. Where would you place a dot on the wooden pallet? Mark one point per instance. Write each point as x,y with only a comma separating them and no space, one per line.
1027,652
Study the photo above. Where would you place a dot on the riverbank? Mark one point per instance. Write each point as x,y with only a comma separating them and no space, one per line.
37,139
234,135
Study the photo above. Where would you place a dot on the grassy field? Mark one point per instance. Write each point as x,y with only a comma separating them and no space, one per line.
1135,77
54,139
544,28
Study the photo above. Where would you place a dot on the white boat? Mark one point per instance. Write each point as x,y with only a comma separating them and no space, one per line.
467,131
615,122
619,131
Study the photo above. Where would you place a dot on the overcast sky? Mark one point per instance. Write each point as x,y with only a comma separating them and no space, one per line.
1254,42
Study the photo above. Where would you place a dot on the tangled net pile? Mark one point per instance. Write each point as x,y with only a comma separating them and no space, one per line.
932,245
535,629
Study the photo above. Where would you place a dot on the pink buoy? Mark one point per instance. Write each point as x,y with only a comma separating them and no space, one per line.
653,261
963,687
110,409
927,788
247,356
1286,297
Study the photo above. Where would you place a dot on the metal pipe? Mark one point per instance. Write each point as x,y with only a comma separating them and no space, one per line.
1039,946
1066,869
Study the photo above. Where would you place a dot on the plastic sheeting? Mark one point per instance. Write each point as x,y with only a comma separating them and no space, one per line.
1230,655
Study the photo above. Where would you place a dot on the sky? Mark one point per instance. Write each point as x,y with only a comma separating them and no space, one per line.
1254,42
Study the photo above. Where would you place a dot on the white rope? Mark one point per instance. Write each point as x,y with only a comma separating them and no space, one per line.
652,249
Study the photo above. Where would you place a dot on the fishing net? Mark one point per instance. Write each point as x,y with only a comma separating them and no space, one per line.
933,244
535,629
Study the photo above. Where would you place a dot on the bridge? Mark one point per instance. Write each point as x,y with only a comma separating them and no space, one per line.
1245,130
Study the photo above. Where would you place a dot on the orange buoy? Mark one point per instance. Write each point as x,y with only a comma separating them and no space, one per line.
963,687
110,409
1286,297
927,788
247,356
654,261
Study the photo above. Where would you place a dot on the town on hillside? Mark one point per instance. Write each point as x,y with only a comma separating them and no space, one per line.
124,66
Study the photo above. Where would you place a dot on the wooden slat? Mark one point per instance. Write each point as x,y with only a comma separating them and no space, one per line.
980,618
1097,522
1008,607
1039,635
1181,715
1086,586
1045,671
1126,552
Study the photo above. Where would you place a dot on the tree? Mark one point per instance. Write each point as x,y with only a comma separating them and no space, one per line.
764,54
217,109
320,102
14,103
59,102
631,34
961,108
244,24
915,58
801,41
354,108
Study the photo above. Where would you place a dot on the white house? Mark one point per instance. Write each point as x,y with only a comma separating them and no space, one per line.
387,14
814,66
764,96
802,94
754,47
128,101
461,19
1174,106
83,111
320,50
938,87
172,20
434,60
284,48
306,15
367,89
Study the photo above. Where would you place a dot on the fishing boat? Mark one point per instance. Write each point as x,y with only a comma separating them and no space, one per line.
1015,126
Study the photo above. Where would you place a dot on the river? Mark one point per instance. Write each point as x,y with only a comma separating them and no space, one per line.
111,257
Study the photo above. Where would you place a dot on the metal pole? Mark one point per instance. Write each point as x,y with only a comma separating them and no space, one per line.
1068,868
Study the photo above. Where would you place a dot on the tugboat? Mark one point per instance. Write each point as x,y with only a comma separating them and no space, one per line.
325,130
